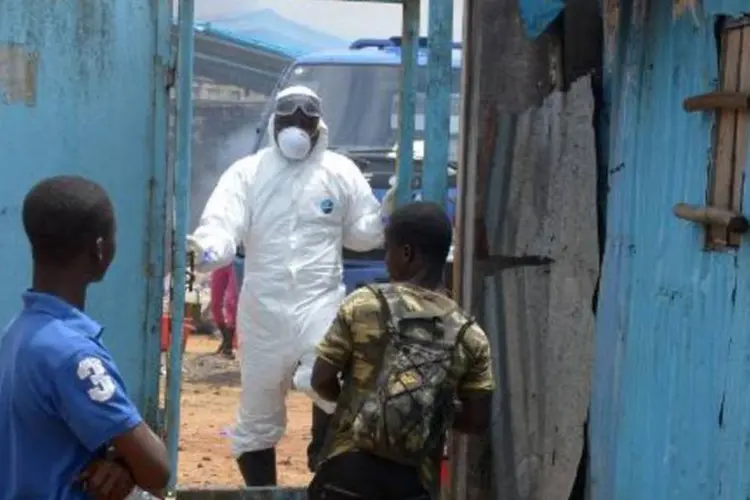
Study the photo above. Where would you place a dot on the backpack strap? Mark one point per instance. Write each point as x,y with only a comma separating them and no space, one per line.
464,329
398,309
385,307
394,311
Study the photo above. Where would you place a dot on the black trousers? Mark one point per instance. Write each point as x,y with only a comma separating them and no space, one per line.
361,476
320,421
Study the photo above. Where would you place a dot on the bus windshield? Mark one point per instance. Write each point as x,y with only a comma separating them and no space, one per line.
360,103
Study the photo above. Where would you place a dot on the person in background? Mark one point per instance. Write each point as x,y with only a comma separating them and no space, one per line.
68,429
224,307
413,366
294,205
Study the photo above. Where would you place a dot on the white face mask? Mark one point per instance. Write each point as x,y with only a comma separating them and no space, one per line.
294,143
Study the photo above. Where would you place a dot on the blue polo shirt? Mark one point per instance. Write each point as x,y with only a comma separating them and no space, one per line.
62,400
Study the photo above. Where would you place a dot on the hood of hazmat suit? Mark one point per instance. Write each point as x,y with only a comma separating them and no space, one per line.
293,219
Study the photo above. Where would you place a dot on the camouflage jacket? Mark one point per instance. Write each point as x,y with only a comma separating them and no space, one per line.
352,344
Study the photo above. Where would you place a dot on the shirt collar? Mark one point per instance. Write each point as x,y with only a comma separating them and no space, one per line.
58,308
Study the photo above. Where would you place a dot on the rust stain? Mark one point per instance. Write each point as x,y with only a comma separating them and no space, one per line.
681,7
18,74
486,153
612,16
640,12
611,23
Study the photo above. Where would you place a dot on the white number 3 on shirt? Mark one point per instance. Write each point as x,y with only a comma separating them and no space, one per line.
93,370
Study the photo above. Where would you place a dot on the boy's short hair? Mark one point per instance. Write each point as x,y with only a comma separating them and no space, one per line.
424,226
63,216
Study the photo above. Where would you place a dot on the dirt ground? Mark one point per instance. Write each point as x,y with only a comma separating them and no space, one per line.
211,387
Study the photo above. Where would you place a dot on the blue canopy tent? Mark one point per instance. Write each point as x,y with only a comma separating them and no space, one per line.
251,49
268,30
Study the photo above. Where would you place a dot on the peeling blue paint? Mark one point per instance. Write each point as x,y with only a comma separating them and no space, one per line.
733,8
407,100
670,415
438,100
182,174
98,110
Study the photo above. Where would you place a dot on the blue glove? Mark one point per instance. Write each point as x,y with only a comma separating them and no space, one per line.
202,255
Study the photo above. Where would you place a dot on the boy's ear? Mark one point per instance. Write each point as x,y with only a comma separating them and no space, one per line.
99,249
408,252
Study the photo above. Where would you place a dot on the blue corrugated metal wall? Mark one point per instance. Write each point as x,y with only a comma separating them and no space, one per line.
670,415
91,80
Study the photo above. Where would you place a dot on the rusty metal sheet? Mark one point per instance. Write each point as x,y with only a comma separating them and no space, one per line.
535,290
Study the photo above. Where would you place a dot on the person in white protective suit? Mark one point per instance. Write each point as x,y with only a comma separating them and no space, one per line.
293,205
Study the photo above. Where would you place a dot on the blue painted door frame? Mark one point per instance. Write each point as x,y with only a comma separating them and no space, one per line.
82,91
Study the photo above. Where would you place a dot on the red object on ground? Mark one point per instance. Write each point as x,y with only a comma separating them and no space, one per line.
166,331
224,293
445,473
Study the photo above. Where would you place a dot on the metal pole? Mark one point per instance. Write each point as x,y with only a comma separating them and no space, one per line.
407,100
438,101
183,140
463,269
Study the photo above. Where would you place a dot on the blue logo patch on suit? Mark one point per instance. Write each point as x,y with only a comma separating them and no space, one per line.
326,206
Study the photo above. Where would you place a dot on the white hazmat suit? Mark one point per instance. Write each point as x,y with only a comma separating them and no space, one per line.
293,217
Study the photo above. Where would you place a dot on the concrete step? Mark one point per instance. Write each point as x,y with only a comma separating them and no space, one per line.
241,494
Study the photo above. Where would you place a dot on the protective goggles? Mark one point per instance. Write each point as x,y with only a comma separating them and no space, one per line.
309,105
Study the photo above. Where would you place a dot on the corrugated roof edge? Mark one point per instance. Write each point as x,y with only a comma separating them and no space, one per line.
286,52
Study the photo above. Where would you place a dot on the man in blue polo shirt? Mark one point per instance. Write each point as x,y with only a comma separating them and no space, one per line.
67,427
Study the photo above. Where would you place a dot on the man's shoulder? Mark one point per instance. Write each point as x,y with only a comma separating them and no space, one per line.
248,160
337,158
418,299
247,165
363,298
56,341
338,163
475,339
363,314
39,348
423,300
